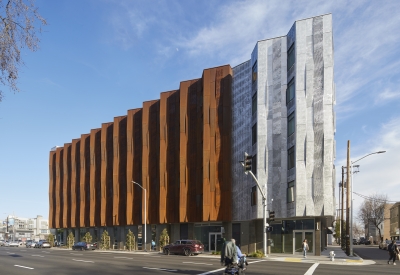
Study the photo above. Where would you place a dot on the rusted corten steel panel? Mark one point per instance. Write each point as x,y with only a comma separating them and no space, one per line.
75,181
195,152
52,194
187,134
168,150
66,191
59,186
172,200
134,167
95,172
119,170
106,174
151,159
213,126
84,184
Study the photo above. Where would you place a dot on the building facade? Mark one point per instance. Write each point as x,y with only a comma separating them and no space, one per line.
395,221
24,229
185,148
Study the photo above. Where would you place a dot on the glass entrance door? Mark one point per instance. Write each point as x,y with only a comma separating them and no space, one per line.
298,238
215,241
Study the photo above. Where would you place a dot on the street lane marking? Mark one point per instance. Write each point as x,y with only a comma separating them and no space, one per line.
195,263
38,256
75,254
123,258
24,266
82,261
23,250
311,270
163,269
216,270
45,252
10,253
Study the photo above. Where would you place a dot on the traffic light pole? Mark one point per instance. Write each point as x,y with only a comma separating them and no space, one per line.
264,202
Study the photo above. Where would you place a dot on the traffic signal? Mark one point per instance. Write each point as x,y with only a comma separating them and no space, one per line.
271,216
270,229
247,162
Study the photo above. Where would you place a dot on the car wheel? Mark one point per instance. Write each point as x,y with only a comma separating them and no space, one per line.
187,252
166,251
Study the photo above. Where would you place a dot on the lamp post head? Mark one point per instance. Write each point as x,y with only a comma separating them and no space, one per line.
381,152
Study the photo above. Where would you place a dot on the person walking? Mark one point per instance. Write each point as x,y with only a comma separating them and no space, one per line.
305,248
393,251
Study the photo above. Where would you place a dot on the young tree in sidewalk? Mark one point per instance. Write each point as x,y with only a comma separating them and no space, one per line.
87,238
130,241
105,240
19,21
70,240
372,210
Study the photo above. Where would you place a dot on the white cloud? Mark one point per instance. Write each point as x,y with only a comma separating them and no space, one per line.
378,172
387,95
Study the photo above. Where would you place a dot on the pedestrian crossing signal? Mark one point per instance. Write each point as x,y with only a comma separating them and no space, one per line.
270,229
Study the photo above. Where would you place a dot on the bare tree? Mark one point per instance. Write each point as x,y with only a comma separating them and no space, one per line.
372,211
358,229
19,21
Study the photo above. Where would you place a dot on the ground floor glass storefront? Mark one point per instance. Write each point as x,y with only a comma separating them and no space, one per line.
210,235
288,235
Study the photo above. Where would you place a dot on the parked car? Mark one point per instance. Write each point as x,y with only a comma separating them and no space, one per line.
384,244
361,241
14,244
84,246
1,243
355,242
367,242
29,244
185,247
42,244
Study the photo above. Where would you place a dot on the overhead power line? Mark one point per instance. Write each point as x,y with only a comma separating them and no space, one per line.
373,199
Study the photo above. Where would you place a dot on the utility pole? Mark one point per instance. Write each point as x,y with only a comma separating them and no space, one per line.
342,240
348,200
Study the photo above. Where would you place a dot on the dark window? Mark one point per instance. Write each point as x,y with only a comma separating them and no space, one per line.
254,195
290,57
290,92
290,192
254,72
291,124
184,230
236,233
291,159
254,164
254,134
254,104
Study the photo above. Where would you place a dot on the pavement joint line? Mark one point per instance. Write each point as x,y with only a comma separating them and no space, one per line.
24,266
38,256
82,261
123,258
163,269
195,263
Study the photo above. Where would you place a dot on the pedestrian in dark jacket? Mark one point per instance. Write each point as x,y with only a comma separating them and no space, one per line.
393,251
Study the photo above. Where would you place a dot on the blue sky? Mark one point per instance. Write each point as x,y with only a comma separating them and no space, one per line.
99,58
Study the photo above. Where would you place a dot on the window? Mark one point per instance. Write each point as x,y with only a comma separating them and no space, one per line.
254,164
254,70
254,134
254,104
291,124
291,162
253,195
290,92
290,192
290,57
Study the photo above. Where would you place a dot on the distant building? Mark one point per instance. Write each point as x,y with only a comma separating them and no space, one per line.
24,229
395,221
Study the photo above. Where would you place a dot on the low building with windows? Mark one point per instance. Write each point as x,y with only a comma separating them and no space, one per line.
184,149
24,229
395,221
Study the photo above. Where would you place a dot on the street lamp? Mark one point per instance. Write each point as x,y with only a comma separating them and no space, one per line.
145,217
351,198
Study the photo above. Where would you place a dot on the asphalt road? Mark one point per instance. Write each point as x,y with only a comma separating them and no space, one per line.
58,261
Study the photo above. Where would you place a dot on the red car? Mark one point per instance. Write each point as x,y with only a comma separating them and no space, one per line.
185,247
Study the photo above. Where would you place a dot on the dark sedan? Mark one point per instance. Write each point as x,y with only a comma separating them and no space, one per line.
84,246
